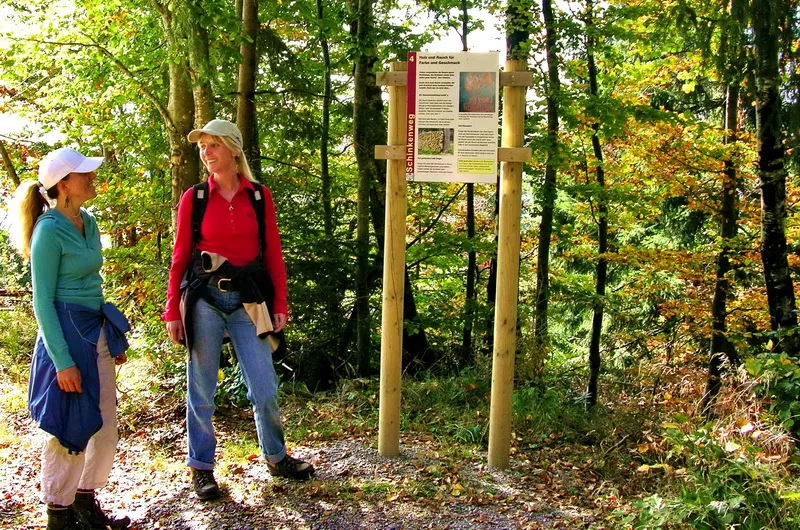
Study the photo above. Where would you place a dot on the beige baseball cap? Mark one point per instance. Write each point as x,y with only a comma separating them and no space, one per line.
218,128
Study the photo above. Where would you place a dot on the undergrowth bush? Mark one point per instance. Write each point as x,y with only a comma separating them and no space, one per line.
777,377
17,338
719,485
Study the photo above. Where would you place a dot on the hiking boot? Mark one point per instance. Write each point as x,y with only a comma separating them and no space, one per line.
204,484
65,518
87,506
291,468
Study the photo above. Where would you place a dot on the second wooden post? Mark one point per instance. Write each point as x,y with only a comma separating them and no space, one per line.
505,319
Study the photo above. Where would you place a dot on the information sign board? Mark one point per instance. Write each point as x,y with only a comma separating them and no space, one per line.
452,127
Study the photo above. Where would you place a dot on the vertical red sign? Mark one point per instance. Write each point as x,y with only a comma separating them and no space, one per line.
411,109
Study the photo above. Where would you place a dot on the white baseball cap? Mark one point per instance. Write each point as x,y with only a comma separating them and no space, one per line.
61,162
218,128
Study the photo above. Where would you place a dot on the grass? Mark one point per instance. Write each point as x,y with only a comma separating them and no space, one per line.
17,339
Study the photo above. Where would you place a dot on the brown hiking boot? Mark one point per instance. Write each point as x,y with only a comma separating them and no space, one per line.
291,468
204,484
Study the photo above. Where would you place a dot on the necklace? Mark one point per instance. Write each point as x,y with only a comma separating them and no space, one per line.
69,216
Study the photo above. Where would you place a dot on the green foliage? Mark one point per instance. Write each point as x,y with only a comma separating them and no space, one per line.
548,409
777,378
721,486
231,386
449,408
17,339
14,274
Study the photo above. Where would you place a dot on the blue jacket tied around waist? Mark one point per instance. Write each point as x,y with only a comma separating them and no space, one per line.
74,417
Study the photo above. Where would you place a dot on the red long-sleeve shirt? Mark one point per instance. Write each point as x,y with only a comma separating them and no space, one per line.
231,230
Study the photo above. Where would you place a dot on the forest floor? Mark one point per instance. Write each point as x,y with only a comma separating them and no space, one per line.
432,484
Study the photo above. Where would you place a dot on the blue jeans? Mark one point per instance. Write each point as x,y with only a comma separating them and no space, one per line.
255,361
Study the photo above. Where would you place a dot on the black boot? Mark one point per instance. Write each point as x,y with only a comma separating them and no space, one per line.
292,468
204,484
87,506
65,518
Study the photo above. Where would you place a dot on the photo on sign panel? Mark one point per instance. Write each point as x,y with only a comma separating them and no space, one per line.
477,92
435,141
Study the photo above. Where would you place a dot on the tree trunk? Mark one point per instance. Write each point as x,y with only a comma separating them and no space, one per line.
200,71
540,332
518,17
9,164
772,174
721,348
366,173
417,353
246,118
602,222
332,292
470,300
491,281
179,118
185,166
327,202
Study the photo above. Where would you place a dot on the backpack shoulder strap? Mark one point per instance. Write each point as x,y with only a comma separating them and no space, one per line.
199,203
257,200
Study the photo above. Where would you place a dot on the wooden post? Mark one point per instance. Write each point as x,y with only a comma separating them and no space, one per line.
505,320
394,263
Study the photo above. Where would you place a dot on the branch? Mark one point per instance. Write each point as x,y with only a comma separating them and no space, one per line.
439,216
17,140
158,105
307,172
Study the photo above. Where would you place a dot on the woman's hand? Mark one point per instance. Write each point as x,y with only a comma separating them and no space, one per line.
278,321
120,359
175,330
69,379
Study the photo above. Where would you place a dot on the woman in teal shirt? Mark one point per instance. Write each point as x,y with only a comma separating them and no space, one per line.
72,391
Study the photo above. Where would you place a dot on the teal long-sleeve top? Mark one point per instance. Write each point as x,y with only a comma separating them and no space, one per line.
65,267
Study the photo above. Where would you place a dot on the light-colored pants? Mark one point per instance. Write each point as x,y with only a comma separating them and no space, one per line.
63,473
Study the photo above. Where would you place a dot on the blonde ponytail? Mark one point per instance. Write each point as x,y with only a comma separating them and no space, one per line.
29,205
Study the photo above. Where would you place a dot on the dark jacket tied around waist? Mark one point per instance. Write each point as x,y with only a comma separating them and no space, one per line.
252,281
74,417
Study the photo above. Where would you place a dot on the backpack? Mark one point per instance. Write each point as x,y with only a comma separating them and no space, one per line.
200,201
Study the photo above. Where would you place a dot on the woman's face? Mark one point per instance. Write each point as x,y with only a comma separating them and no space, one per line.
215,155
80,186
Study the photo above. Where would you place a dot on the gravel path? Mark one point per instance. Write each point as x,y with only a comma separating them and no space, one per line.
355,488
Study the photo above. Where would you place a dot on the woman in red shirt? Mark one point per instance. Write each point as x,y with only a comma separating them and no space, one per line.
229,233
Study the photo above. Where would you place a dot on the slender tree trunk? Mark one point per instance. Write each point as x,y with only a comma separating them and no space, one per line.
772,174
470,299
369,130
332,293
467,355
518,22
366,173
327,202
491,281
185,166
721,348
9,164
179,117
246,117
540,331
200,71
602,222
